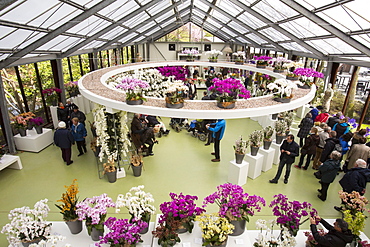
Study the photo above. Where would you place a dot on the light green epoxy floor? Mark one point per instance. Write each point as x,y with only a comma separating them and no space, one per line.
181,164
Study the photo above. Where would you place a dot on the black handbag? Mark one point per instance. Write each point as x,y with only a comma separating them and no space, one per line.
318,174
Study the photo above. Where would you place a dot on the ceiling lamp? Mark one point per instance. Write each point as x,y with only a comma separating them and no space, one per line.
227,49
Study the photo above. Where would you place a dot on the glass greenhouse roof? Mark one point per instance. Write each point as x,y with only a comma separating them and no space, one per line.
316,28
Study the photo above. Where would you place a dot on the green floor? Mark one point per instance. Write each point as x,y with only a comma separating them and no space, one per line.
181,164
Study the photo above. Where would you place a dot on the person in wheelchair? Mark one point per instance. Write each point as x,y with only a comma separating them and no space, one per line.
154,122
148,140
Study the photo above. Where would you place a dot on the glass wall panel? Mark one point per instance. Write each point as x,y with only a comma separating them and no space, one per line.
274,10
273,34
303,28
251,21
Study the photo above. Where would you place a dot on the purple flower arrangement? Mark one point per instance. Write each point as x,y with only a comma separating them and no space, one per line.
290,213
122,231
308,72
94,211
51,91
36,121
262,60
231,88
181,208
234,204
133,87
177,71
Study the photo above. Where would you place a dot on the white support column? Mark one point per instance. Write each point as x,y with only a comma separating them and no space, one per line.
276,146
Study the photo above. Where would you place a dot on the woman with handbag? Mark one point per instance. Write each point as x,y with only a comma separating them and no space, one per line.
309,148
304,128
328,172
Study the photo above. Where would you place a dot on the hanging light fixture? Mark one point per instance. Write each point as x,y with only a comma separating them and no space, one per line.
227,49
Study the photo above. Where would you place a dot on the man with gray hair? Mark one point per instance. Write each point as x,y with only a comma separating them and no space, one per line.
355,179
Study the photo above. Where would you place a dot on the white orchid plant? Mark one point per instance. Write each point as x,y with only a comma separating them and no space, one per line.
28,224
240,56
266,236
107,133
138,202
280,62
213,54
283,88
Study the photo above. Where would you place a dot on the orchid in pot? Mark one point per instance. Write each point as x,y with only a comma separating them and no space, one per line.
279,63
28,225
240,148
167,233
133,88
290,213
175,94
290,67
182,208
72,88
262,61
191,54
94,211
280,127
266,236
307,75
215,229
52,95
68,208
255,141
228,91
268,131
235,205
37,123
122,232
282,89
213,55
239,57
138,202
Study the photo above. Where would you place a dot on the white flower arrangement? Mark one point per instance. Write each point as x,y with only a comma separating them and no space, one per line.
102,127
27,224
293,64
268,239
240,54
283,87
138,203
176,85
280,62
213,54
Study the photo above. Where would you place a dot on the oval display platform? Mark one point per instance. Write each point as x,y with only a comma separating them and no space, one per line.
93,87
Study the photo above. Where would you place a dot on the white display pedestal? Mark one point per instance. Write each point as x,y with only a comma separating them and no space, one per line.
10,161
34,142
87,105
276,146
302,111
268,158
54,116
238,173
255,165
194,239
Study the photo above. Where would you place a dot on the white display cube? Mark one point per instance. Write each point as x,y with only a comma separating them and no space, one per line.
34,142
10,161
255,165
268,158
276,146
238,173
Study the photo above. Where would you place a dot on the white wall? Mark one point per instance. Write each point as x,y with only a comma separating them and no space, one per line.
167,55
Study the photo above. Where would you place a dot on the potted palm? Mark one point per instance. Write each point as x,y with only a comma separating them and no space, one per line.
240,148
268,131
235,205
215,229
139,204
28,226
213,55
94,211
255,140
68,208
133,88
228,91
280,127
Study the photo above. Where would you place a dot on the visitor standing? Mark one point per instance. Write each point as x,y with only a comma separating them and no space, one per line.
328,171
79,134
288,151
62,113
304,128
356,178
342,127
192,89
334,119
319,149
357,135
137,130
78,114
315,111
358,151
218,132
329,146
63,139
309,148
322,117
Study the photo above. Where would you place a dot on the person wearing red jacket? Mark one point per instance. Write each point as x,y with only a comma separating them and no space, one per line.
322,117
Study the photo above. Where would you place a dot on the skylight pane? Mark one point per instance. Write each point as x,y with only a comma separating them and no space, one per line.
220,16
141,17
363,39
147,26
228,31
200,5
4,31
229,7
303,28
273,34
113,33
238,27
117,10
255,38
274,10
14,39
313,4
57,43
168,22
152,31
128,37
295,47
158,7
164,16
214,23
251,21
333,46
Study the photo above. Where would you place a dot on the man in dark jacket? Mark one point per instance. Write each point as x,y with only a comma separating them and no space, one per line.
78,114
334,119
329,146
62,113
356,178
137,130
328,171
63,139
338,236
288,151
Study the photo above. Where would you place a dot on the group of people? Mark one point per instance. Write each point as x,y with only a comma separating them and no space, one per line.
71,129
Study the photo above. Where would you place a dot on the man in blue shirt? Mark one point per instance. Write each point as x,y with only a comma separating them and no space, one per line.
218,132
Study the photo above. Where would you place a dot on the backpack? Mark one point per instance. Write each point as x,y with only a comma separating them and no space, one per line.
338,148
